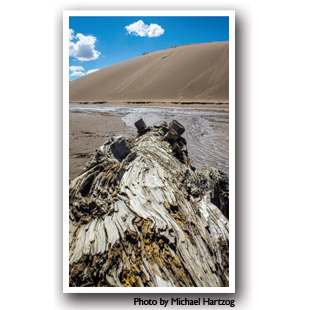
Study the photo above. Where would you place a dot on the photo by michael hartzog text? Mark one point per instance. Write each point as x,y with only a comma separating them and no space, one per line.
184,302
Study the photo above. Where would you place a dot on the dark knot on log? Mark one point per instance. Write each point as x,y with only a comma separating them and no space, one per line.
141,127
120,148
175,125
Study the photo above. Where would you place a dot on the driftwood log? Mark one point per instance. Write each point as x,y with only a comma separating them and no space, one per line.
140,215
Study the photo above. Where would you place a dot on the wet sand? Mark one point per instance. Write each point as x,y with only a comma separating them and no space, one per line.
206,129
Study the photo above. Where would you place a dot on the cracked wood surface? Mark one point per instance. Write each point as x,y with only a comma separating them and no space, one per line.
150,219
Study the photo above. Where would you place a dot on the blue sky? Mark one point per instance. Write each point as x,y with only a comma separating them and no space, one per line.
99,42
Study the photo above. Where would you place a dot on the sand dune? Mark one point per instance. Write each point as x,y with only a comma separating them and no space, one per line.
197,72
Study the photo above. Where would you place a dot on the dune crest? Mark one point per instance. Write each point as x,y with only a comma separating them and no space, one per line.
198,72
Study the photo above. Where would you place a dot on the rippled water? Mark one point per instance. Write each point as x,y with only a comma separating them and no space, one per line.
207,129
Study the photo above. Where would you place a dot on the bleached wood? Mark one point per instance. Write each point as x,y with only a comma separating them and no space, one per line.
148,220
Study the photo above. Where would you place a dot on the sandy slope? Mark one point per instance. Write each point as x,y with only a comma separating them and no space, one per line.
197,72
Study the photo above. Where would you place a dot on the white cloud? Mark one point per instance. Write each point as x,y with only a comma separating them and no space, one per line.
71,35
141,29
76,68
91,71
77,73
155,30
84,48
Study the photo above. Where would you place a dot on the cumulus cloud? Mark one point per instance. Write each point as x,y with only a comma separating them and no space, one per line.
76,68
84,47
141,29
91,71
77,73
71,35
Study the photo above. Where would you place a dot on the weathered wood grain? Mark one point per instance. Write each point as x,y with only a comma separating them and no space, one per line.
149,219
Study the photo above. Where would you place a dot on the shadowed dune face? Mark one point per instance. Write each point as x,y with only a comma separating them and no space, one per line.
193,72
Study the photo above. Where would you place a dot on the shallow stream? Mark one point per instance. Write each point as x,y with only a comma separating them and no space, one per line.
206,129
